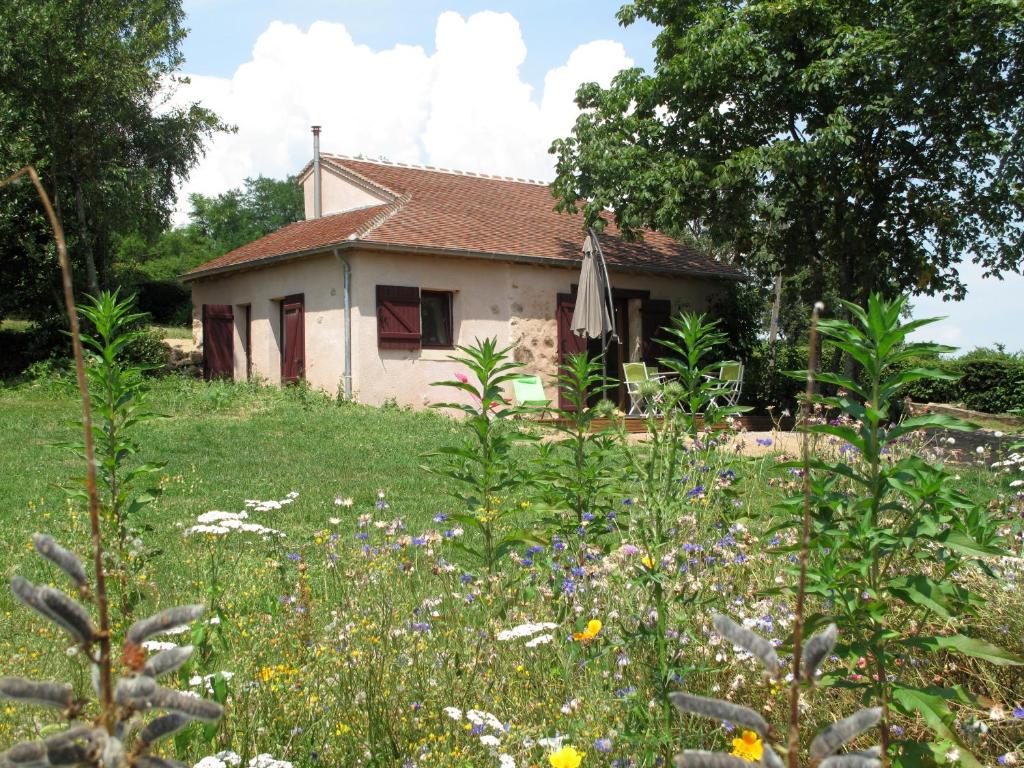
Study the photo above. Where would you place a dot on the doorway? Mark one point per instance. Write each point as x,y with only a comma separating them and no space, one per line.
293,339
218,342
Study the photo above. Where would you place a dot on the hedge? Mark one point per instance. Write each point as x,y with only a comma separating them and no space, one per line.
985,381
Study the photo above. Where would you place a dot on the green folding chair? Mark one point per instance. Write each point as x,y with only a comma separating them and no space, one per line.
635,376
529,391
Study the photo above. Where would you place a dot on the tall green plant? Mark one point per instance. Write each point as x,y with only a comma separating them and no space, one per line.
574,471
118,392
693,341
892,532
678,464
484,471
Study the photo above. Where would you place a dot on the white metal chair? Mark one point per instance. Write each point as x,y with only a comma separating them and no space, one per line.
730,377
635,375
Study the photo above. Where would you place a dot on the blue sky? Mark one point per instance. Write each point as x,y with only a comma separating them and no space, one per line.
455,83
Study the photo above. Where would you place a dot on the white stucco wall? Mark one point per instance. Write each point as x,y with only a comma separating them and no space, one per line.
318,278
337,194
514,302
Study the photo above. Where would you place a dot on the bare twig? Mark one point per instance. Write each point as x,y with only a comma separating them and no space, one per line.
105,682
793,743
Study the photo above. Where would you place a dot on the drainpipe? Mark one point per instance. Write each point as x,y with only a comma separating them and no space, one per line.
317,207
346,292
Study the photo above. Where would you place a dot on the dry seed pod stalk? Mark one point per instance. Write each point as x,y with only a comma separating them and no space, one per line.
824,747
108,742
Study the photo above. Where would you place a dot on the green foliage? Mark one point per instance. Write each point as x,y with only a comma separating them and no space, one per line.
240,216
681,450
118,393
695,393
765,383
994,385
483,468
574,474
894,535
86,96
740,309
152,263
820,139
983,380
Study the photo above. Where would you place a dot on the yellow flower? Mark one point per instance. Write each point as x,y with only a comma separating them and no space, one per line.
566,757
593,627
648,562
748,747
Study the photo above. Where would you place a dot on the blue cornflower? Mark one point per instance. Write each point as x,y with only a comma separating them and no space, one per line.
1018,712
569,586
420,626
695,492
534,549
440,517
775,540
603,745
765,441
294,557
588,517
578,572
557,544
419,541
466,578
627,502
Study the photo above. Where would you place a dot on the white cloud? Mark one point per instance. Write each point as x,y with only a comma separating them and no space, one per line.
992,313
463,106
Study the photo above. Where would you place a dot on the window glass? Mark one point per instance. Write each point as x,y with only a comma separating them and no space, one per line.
436,318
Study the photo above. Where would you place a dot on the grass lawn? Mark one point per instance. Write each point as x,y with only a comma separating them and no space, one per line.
174,331
349,641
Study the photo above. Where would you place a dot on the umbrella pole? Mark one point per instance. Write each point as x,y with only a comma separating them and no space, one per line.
606,338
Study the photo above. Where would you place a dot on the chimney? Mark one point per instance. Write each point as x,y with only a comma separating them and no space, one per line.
317,206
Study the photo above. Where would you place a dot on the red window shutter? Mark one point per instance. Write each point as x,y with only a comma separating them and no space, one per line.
398,317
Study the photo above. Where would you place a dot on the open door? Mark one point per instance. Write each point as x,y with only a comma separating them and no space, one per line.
655,317
293,339
218,342
568,342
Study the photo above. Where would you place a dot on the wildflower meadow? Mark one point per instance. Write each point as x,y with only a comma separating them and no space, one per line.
388,588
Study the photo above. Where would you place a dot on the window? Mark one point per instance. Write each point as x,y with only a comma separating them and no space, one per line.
436,319
408,318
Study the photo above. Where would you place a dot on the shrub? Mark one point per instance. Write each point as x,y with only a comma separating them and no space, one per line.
993,385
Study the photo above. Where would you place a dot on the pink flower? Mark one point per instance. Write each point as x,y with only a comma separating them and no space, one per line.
462,377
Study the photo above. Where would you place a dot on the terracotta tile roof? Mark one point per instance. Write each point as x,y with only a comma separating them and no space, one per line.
469,213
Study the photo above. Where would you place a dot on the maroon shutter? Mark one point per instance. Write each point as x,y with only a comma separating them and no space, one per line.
218,342
293,334
398,317
568,342
655,316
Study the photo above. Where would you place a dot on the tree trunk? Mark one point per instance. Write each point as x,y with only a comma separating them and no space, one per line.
91,275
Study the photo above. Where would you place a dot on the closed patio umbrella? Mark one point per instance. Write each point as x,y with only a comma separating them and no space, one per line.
591,317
